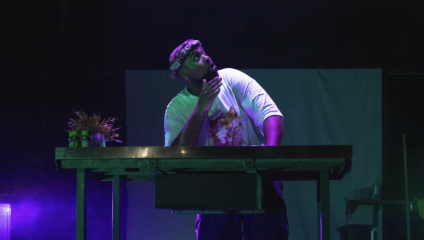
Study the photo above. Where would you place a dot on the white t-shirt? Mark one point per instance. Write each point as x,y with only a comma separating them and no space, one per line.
235,118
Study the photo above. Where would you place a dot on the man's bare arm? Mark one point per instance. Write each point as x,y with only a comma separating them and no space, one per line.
273,131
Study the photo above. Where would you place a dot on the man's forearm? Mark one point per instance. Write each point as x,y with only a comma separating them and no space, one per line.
273,131
189,136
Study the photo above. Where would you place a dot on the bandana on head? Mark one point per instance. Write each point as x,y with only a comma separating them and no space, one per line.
179,55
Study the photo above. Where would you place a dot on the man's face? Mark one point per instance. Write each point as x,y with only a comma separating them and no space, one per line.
199,66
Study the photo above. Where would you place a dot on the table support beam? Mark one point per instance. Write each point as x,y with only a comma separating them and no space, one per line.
81,217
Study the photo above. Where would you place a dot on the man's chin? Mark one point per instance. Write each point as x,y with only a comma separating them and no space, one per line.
213,72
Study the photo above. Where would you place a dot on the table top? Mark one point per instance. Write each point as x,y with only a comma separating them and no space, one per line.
141,163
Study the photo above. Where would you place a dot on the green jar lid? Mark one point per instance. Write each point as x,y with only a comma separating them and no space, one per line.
85,133
73,133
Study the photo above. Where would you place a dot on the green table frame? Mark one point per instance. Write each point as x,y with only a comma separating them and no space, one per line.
319,163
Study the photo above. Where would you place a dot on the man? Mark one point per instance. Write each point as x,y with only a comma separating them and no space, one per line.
225,108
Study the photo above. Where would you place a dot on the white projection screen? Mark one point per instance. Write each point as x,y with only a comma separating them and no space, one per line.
320,107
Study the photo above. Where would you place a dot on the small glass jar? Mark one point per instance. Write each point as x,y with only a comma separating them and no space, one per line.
85,138
98,140
74,139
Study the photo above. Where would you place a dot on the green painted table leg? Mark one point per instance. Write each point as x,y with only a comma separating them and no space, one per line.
324,205
115,208
81,218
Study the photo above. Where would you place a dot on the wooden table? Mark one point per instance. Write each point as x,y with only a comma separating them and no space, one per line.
320,163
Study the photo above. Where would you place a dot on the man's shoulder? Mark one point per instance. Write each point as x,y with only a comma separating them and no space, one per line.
234,76
231,72
227,71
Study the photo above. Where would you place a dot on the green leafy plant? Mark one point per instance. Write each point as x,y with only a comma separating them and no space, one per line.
94,124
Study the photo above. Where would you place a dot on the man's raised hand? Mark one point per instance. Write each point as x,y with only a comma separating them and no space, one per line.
208,94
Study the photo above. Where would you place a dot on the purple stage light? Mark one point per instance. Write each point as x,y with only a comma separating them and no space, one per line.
5,215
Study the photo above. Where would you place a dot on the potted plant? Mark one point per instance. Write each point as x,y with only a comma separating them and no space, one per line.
100,130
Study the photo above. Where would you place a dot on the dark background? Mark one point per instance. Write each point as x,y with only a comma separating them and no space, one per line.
56,56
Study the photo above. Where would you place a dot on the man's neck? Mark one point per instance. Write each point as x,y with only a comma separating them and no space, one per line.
194,88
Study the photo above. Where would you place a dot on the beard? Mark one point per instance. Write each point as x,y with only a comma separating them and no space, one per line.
212,73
